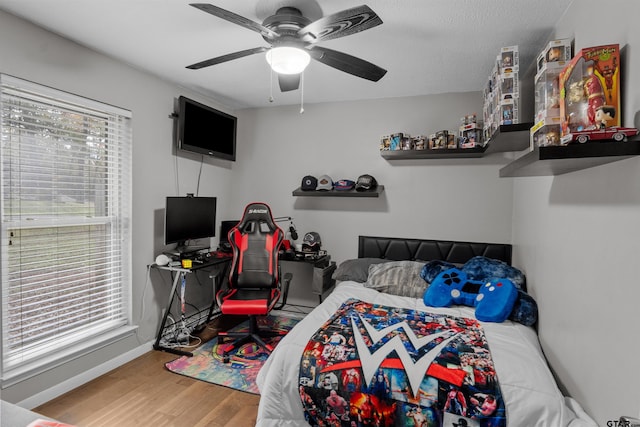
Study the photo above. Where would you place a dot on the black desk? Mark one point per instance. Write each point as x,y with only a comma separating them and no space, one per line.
311,277
221,264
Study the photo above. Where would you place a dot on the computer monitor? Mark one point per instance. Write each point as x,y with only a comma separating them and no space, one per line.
189,218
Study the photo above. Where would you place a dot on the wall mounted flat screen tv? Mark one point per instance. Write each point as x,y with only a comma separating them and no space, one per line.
189,218
205,130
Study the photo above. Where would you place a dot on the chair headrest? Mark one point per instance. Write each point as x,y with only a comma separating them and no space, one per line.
258,213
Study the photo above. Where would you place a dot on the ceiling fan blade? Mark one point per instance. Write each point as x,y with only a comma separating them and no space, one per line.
347,63
288,82
236,19
340,24
228,57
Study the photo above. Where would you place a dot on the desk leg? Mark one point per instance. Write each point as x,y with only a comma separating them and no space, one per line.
156,345
218,279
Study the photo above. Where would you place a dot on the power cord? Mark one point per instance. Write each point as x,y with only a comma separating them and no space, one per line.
142,303
174,337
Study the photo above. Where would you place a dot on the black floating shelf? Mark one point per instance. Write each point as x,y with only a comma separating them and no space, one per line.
558,160
334,193
441,153
506,138
509,138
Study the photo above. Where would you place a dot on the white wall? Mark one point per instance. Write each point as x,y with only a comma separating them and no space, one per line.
33,54
446,199
578,240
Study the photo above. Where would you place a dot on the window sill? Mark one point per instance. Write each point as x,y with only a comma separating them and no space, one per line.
22,373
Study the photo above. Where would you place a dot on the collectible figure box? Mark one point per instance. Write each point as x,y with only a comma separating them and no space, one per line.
547,92
452,141
438,140
470,135
509,112
508,60
590,89
556,51
397,140
419,142
544,133
385,143
407,143
509,85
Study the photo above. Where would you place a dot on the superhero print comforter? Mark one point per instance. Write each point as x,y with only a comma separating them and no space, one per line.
365,358
375,365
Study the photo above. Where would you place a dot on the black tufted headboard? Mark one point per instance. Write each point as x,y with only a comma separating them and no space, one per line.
398,249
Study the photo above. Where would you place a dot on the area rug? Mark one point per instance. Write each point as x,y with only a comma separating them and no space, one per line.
240,373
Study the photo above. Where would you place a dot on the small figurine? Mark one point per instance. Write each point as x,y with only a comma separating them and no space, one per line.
552,138
604,114
555,54
507,59
507,113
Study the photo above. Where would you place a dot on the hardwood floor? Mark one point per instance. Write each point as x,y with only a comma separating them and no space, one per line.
144,393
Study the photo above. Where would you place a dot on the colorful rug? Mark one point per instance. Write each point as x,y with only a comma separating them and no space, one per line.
241,371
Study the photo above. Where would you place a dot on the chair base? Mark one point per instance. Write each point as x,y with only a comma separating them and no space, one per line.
254,334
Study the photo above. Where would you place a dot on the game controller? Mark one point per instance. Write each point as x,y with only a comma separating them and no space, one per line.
493,300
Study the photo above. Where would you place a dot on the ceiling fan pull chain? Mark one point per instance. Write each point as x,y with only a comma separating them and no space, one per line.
302,92
270,84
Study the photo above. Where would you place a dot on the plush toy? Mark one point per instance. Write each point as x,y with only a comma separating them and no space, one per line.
525,309
493,300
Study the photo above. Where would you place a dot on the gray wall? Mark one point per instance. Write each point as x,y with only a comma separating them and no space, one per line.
577,238
445,199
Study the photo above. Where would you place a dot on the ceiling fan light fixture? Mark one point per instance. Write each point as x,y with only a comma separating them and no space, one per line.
287,59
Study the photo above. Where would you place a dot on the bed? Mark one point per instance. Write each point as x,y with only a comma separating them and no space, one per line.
405,363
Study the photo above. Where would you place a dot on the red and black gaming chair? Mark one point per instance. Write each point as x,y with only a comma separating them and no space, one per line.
254,279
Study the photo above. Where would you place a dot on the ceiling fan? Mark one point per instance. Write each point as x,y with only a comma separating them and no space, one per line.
293,39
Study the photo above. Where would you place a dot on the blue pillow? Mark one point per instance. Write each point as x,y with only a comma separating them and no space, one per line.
493,299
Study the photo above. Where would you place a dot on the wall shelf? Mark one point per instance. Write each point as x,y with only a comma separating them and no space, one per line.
509,138
334,193
441,153
506,138
558,160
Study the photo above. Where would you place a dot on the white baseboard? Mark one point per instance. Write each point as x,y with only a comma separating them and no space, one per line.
75,382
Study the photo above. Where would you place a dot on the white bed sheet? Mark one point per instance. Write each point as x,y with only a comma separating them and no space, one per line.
531,395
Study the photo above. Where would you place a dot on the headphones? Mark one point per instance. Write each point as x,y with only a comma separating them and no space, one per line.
292,228
293,232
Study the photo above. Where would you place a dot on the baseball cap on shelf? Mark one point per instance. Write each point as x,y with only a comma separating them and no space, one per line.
309,183
366,182
311,242
325,183
343,184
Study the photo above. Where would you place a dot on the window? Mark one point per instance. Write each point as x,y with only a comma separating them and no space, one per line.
65,211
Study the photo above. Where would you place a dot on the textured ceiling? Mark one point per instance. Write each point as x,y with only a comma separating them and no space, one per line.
427,46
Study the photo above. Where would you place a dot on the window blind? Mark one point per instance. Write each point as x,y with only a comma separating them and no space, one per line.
65,194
